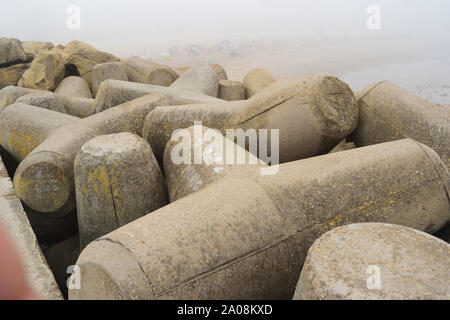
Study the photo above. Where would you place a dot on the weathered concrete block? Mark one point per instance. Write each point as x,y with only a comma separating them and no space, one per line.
184,178
74,87
74,106
247,238
10,94
45,72
32,48
373,261
80,58
199,78
256,80
24,127
115,185
9,76
11,52
389,112
105,71
312,114
114,92
221,73
60,257
231,90
144,71
13,218
44,179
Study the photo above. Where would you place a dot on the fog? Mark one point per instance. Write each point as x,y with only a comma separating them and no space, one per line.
123,26
289,38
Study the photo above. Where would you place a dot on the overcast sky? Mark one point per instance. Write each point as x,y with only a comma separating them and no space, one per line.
111,25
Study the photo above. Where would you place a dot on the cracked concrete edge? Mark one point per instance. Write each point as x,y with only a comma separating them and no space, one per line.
14,219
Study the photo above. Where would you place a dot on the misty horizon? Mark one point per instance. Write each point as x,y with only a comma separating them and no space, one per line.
287,38
130,27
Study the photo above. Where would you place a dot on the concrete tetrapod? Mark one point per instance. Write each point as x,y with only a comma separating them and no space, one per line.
247,238
312,115
117,180
256,80
114,92
200,78
9,94
24,127
372,261
74,106
44,179
389,112
144,71
74,87
220,70
184,176
231,90
105,71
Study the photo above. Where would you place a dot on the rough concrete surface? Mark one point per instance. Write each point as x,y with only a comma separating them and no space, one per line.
44,179
10,94
74,106
231,90
23,127
311,114
15,221
145,71
114,92
200,78
117,180
73,86
389,112
256,80
372,261
240,238
105,71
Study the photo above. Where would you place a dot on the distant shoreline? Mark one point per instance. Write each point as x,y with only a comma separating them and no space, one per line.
423,68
